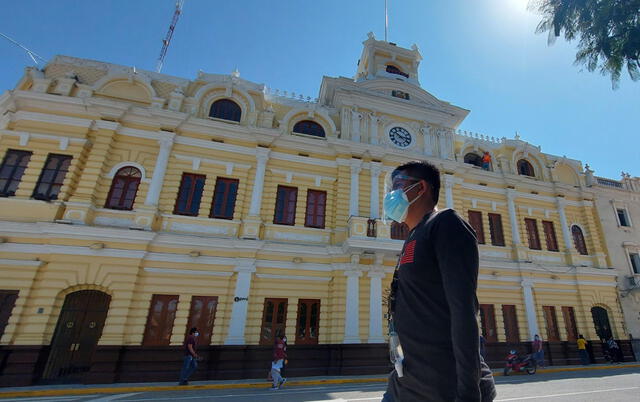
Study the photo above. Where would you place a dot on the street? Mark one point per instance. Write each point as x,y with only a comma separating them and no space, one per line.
598,385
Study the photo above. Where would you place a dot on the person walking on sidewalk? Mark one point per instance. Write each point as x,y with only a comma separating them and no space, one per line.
432,305
538,351
277,363
614,351
190,363
582,350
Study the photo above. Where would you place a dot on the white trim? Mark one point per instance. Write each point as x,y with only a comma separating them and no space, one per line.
20,263
52,119
25,136
136,165
290,174
31,248
294,277
196,161
186,272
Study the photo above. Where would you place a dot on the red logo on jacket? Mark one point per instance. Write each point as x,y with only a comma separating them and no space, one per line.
408,253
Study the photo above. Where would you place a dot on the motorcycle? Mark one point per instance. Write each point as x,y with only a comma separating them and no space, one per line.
519,364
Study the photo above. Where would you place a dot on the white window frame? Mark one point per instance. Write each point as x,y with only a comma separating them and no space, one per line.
630,253
624,208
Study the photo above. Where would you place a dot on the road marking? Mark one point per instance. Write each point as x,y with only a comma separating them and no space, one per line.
266,392
348,400
113,397
46,399
566,394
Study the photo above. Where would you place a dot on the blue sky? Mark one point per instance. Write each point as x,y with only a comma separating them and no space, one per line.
482,55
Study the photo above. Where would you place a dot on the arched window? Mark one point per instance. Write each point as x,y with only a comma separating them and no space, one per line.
525,168
124,188
601,322
473,159
225,109
309,127
578,240
399,231
391,69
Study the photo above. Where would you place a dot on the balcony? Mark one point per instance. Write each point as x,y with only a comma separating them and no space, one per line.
372,234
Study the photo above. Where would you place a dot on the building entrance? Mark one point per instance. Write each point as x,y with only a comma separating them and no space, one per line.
76,336
601,322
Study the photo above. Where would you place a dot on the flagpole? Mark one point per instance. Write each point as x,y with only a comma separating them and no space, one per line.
386,21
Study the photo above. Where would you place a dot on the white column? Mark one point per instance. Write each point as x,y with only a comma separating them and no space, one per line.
373,119
352,308
355,187
530,308
448,190
374,206
355,125
153,194
375,305
262,155
245,268
515,233
566,236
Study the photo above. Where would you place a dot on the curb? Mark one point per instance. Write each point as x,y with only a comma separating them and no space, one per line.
119,390
113,390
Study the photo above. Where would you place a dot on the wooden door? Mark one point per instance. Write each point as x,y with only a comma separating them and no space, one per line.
274,320
76,336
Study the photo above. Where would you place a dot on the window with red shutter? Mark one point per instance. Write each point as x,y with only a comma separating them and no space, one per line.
570,323
13,166
224,198
189,194
550,236
286,199
532,234
495,227
316,205
124,188
510,318
274,320
202,315
550,319
578,240
162,314
52,177
475,220
308,321
488,322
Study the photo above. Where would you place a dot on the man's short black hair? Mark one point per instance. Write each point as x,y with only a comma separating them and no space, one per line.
422,170
193,330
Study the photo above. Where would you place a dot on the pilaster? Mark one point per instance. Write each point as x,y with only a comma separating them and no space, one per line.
245,267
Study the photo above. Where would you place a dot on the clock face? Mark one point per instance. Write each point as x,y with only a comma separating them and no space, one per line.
400,137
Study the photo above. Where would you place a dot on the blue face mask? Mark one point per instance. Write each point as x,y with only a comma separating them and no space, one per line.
396,203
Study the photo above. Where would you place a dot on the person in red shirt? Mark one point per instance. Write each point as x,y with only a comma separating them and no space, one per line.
486,161
279,356
190,363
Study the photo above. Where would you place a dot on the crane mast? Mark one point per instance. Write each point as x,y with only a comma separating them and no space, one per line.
167,40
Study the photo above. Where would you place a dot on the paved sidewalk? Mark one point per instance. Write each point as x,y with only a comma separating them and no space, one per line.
82,389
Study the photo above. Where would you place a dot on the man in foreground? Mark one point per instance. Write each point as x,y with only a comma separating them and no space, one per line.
190,363
433,303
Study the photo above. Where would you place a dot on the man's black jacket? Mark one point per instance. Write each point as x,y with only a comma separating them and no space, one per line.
435,314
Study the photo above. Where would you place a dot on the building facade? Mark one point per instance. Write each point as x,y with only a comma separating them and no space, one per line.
135,205
618,202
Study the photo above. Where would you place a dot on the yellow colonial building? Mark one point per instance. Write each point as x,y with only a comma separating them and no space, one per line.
135,205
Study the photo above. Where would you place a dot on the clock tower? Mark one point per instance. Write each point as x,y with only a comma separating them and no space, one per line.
382,59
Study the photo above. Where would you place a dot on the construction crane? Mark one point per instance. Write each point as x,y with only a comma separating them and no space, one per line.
167,40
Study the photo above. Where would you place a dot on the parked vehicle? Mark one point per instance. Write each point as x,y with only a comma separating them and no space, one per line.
519,364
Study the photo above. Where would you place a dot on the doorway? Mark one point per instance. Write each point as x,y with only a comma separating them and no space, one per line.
76,336
601,322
